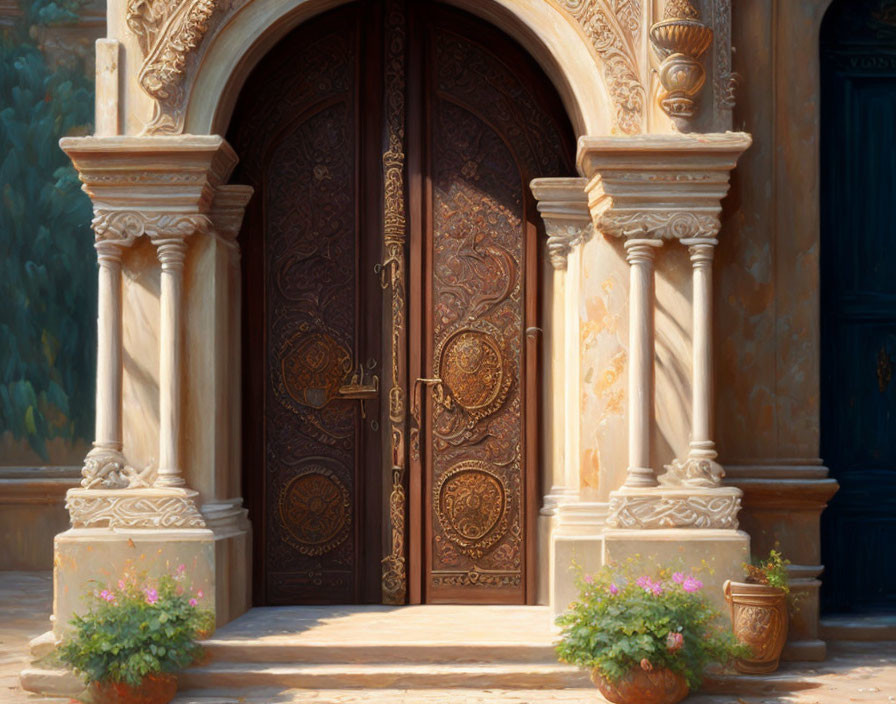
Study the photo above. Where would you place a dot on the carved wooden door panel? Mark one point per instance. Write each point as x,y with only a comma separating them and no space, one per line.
488,130
312,323
391,145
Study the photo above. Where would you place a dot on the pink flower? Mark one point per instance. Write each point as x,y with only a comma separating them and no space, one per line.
181,568
199,593
692,584
614,590
678,577
193,602
107,595
152,596
121,584
674,641
589,579
648,585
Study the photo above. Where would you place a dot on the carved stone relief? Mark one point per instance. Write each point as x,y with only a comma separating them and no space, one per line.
614,28
169,32
685,510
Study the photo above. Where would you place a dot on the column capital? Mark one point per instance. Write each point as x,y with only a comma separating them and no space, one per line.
641,249
563,205
666,186
122,227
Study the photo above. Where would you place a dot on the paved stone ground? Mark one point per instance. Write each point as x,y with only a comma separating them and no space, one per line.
854,672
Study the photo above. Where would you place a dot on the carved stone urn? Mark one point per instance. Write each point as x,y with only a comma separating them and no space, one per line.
658,686
759,619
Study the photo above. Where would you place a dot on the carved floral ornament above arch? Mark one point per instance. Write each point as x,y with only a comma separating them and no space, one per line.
173,34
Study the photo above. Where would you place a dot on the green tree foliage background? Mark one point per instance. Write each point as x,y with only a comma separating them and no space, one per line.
47,261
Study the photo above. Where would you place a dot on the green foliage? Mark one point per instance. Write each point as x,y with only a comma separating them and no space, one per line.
772,571
47,263
621,622
136,629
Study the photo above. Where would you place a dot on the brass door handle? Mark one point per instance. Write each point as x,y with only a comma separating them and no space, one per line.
415,402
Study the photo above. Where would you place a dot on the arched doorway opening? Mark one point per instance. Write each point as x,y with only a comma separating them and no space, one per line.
391,306
858,303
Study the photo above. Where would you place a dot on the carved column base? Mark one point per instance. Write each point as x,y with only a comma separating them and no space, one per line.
105,468
679,507
133,508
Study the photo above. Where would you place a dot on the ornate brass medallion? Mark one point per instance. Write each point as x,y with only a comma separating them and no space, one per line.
471,503
474,372
315,509
314,366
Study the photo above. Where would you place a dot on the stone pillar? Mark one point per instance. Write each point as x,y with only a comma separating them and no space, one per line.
570,529
639,253
104,466
644,190
562,205
700,468
171,252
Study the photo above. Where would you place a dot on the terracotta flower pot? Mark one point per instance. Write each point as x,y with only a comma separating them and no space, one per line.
658,686
154,689
758,619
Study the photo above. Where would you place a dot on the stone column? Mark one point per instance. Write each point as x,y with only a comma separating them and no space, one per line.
104,465
570,528
564,209
639,252
171,252
700,467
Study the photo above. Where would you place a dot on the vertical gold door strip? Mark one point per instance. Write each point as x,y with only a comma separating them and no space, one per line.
395,578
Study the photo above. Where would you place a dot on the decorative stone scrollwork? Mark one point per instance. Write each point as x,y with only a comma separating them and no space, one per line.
661,224
725,80
126,225
562,237
105,468
143,508
693,471
614,30
708,510
168,32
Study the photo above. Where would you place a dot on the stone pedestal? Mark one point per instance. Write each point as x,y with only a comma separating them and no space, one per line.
576,542
713,555
86,559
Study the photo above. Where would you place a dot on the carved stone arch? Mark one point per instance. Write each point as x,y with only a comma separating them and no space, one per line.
237,34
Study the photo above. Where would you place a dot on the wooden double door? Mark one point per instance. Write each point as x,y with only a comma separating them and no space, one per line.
391,325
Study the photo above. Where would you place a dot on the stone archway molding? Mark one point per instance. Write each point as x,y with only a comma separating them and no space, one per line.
194,56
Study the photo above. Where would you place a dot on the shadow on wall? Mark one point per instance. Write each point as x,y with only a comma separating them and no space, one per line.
47,264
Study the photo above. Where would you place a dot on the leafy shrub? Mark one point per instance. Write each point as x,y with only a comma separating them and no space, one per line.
138,628
621,622
47,263
772,571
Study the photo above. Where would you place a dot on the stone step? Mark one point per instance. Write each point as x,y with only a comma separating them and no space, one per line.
223,677
310,652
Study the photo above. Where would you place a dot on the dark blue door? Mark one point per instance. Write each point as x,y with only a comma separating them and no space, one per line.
858,303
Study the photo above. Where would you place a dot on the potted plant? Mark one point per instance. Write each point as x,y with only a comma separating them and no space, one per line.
759,612
135,637
646,639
